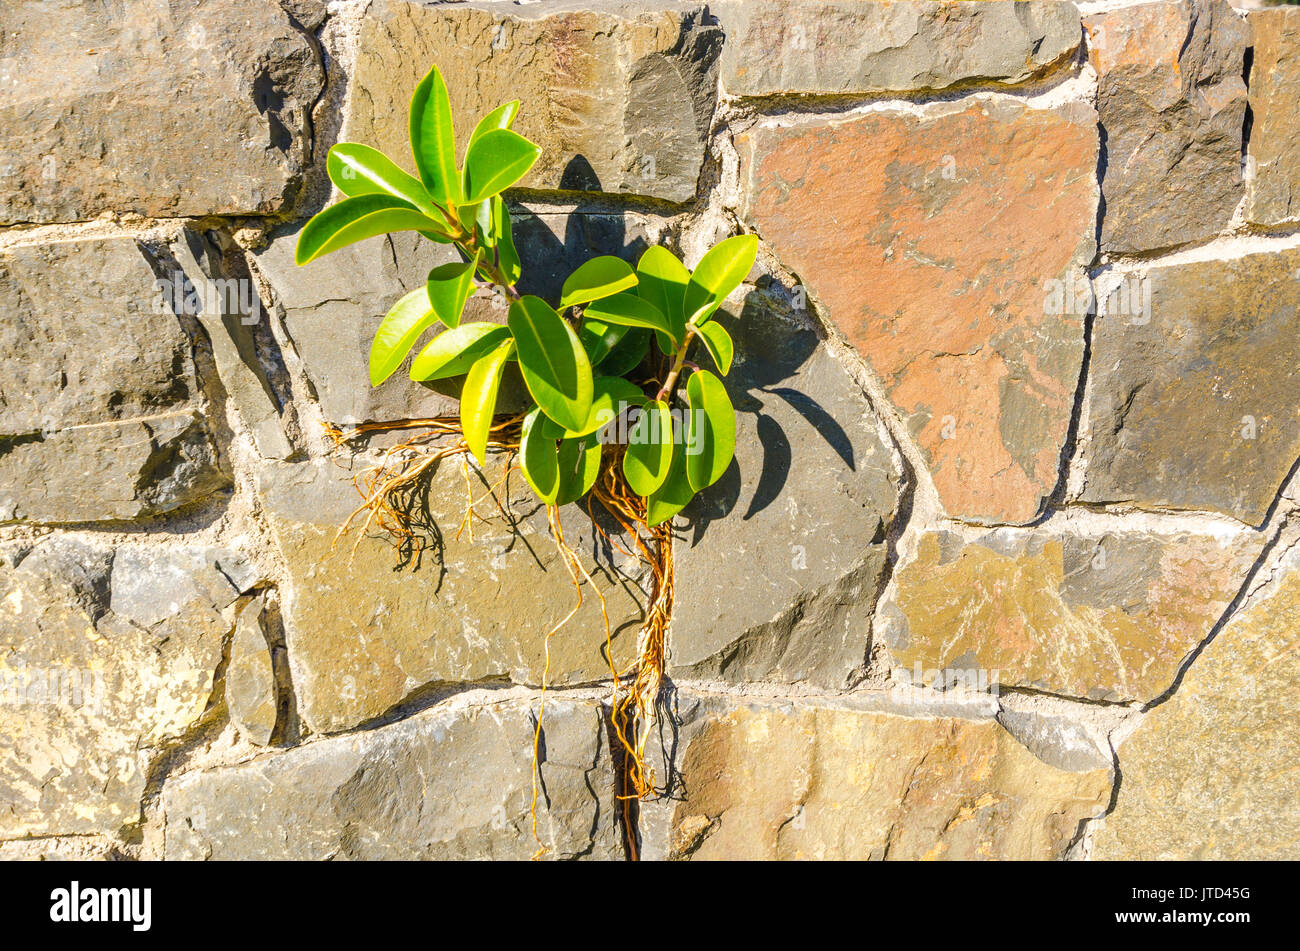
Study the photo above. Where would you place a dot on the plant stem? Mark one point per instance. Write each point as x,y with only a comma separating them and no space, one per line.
679,360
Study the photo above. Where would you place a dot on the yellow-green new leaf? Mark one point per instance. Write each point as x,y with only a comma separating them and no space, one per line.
718,342
397,333
675,493
496,161
662,281
453,352
597,278
554,364
355,219
502,117
360,170
433,140
719,272
649,454
599,338
478,399
711,430
448,287
539,458
629,310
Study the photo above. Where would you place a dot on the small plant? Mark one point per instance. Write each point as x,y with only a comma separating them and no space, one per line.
618,412
576,355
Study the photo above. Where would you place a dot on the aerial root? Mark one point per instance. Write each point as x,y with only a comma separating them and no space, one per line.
389,491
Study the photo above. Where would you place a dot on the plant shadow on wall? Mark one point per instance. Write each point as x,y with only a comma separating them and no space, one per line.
614,406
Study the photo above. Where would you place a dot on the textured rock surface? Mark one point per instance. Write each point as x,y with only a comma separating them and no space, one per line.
191,107
332,306
99,388
811,471
443,784
1274,197
1196,408
934,282
1210,774
618,94
766,780
1172,104
250,677
225,303
104,652
479,611
1110,617
845,46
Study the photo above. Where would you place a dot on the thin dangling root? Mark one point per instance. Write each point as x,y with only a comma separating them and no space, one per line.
384,488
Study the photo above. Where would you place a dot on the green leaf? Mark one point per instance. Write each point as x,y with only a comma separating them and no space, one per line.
579,463
599,338
663,279
507,256
711,430
448,287
554,365
629,310
539,458
502,117
610,396
361,170
397,333
453,352
478,399
718,342
433,140
674,495
496,161
627,353
355,219
719,273
649,454
597,278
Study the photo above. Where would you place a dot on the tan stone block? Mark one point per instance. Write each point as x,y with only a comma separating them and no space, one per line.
362,634
768,780
1274,192
1110,617
1211,773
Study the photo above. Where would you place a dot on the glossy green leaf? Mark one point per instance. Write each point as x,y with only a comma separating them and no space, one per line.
629,310
719,272
496,161
355,219
649,454
611,395
627,353
448,287
597,278
539,458
453,352
579,464
360,170
503,240
718,342
599,338
397,333
502,117
675,493
433,139
662,282
478,398
554,365
711,430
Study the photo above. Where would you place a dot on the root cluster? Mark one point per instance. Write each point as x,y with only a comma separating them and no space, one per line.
392,494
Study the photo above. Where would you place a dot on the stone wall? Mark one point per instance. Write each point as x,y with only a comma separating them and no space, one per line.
1000,571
